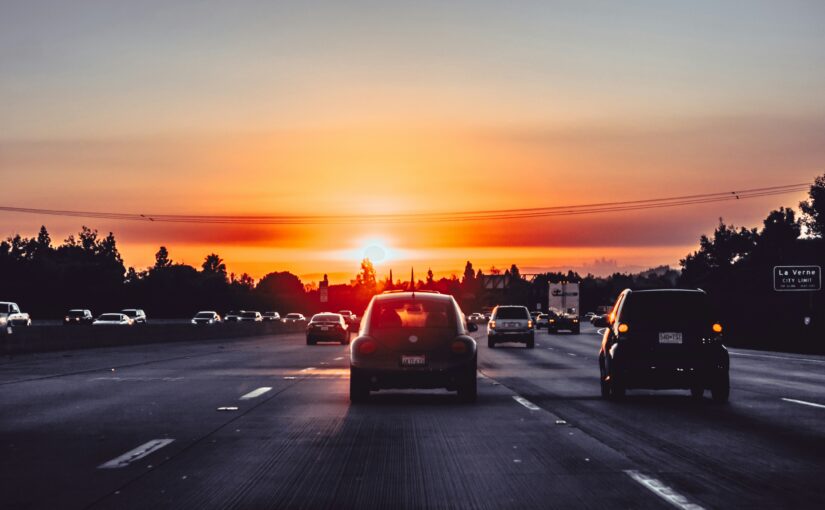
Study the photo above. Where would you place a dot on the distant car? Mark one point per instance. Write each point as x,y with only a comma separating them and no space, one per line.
413,340
271,316
10,315
348,316
563,321
206,318
588,316
475,317
250,317
232,316
137,315
78,316
510,324
660,339
113,319
596,319
327,327
542,321
292,318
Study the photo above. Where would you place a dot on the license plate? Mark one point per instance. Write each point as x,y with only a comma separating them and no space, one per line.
324,328
417,360
510,325
670,338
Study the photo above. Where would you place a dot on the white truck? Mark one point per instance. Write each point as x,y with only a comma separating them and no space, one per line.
563,303
10,315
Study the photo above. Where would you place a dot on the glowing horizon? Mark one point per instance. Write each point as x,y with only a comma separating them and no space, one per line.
383,108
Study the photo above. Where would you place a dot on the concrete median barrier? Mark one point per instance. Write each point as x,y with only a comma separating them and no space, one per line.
21,340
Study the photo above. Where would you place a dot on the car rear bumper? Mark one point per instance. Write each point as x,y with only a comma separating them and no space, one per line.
511,336
418,378
326,335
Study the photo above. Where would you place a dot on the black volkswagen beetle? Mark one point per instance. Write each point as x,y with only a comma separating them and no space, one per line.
413,340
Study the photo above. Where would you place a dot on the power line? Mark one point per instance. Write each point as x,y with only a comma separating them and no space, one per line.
455,216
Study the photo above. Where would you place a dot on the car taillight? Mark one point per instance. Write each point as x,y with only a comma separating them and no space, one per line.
458,347
492,324
529,324
717,328
367,347
623,328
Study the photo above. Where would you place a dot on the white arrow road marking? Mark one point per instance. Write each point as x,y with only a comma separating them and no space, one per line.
662,490
256,393
136,454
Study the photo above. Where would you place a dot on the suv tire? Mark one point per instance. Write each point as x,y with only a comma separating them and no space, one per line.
720,391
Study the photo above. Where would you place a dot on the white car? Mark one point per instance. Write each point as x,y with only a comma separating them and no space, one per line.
10,315
475,317
113,319
206,318
250,317
271,316
292,318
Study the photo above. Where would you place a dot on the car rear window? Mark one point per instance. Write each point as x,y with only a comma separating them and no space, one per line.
326,317
205,315
77,313
512,313
249,315
412,313
293,315
110,317
658,307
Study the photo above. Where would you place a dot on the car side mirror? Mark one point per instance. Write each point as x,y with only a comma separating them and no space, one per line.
600,321
472,326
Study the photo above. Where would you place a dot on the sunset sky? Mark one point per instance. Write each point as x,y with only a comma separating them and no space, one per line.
256,108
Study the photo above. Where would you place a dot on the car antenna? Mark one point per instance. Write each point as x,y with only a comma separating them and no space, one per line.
412,281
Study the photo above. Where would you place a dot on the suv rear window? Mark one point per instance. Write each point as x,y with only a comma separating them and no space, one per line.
512,312
412,313
658,307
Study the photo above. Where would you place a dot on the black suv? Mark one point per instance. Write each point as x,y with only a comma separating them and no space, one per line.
663,339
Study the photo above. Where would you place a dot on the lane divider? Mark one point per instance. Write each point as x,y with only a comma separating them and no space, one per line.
663,491
135,454
804,403
526,403
788,358
256,393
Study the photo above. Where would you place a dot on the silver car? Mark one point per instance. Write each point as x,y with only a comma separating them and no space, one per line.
413,340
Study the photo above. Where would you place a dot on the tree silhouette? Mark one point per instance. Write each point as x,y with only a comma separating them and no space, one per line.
162,259
213,264
813,209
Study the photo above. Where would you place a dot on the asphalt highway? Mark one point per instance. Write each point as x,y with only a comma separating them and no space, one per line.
266,422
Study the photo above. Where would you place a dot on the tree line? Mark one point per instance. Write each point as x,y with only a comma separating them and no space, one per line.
733,264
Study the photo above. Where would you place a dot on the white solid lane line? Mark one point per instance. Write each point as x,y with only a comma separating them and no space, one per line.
136,454
788,358
526,403
256,393
802,402
662,490
339,358
570,354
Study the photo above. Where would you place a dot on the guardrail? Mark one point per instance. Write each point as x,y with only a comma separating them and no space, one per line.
21,340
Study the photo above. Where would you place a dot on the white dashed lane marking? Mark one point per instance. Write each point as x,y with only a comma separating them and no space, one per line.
804,403
136,454
662,490
526,403
256,393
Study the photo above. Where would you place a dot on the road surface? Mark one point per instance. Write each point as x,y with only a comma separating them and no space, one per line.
266,423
